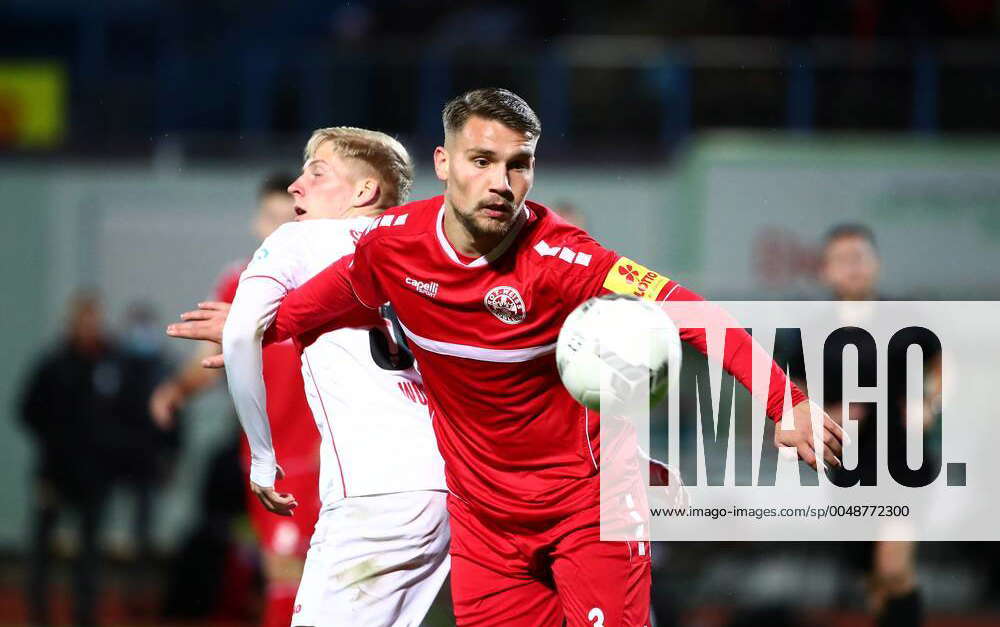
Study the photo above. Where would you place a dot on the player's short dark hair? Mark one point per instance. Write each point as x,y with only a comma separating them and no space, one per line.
850,229
491,103
275,183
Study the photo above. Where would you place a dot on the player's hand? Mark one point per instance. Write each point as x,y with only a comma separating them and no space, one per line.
167,399
801,437
204,323
273,501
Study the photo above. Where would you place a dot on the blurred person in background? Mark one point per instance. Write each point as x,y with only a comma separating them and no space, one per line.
850,263
143,455
283,540
850,269
69,408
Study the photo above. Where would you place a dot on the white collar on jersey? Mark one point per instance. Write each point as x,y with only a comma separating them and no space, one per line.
494,254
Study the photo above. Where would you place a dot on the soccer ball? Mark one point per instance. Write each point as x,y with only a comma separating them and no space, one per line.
617,342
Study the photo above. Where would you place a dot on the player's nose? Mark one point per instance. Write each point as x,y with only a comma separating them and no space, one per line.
500,184
295,189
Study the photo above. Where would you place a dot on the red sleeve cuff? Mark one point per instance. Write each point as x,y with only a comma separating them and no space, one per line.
776,393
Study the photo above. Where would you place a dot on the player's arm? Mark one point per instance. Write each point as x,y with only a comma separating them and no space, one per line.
191,379
738,357
252,311
324,303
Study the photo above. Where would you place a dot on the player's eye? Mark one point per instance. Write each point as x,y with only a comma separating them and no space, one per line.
519,165
480,162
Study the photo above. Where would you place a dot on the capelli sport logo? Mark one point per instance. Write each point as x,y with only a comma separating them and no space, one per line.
427,289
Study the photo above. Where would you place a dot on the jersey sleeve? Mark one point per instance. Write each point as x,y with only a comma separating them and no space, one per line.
577,263
361,275
323,303
254,306
625,276
278,258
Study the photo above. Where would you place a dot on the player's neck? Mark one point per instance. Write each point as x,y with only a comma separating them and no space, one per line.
361,212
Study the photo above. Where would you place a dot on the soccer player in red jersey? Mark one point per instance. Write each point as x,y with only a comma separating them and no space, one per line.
482,280
283,540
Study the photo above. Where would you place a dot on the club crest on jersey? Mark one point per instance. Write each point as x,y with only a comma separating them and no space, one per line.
506,304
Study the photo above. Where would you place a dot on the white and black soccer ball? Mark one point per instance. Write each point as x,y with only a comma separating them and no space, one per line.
617,342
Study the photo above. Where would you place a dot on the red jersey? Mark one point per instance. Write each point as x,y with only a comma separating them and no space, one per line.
296,440
515,443
517,447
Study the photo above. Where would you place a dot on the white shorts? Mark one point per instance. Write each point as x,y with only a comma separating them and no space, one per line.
375,560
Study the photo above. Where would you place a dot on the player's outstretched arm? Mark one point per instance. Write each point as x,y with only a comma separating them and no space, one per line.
204,323
252,311
740,348
323,303
625,276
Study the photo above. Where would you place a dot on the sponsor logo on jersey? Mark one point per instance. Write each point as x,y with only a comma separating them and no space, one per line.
629,277
629,273
506,304
427,289
261,254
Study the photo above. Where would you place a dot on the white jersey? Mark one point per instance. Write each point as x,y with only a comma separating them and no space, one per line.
376,432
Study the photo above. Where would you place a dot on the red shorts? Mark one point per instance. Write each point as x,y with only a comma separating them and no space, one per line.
563,572
287,535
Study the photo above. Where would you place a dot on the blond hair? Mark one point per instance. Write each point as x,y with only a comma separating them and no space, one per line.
383,154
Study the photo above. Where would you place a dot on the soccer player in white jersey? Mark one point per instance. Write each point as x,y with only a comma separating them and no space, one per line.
379,553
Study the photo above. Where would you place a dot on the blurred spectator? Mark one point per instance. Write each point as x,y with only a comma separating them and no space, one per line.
143,455
850,269
850,263
68,407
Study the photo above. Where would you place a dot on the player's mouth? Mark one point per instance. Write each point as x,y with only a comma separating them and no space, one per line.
498,211
299,211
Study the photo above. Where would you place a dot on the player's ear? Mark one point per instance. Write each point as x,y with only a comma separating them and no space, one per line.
366,192
441,163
